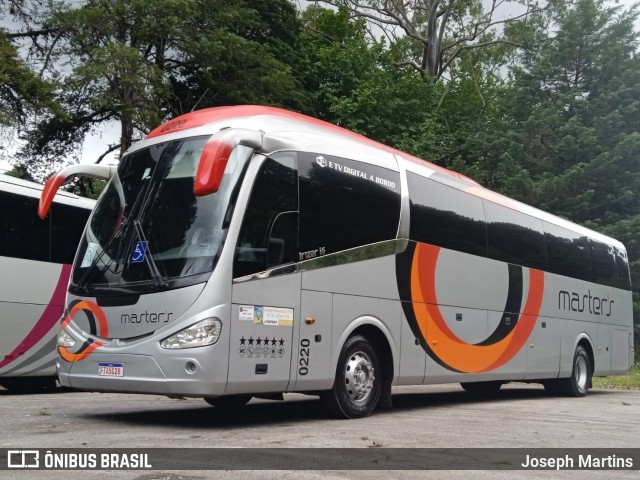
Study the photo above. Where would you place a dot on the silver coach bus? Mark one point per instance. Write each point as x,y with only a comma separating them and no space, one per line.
249,251
35,265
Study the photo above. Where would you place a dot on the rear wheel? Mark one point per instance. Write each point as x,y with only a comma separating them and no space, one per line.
358,383
578,383
228,401
481,387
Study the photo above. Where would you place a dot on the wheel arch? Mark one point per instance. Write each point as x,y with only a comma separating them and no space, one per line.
377,332
583,339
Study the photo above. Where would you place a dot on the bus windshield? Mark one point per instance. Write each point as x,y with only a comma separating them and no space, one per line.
149,231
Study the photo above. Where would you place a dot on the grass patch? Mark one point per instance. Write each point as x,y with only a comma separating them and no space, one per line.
629,381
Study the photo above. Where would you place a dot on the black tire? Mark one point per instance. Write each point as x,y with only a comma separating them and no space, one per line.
228,401
358,383
28,384
484,388
577,385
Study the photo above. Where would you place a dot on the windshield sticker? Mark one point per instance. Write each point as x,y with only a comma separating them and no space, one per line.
278,316
246,312
271,316
89,255
139,251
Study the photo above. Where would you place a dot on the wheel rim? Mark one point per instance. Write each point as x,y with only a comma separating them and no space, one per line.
581,373
359,377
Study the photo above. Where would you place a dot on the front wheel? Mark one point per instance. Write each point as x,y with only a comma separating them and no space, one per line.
358,383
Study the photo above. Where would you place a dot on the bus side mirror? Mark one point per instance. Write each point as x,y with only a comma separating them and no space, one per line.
215,156
104,172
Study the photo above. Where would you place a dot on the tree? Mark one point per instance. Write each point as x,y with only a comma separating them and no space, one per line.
137,62
574,108
437,32
23,91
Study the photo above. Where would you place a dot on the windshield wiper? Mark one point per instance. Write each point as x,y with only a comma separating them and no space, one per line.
81,284
158,278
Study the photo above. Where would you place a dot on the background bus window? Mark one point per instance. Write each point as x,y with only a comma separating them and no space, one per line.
345,203
67,225
568,253
515,237
22,233
446,217
268,236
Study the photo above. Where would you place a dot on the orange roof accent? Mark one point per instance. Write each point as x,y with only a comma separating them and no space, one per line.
205,116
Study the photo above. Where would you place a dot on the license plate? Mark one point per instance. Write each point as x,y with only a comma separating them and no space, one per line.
111,369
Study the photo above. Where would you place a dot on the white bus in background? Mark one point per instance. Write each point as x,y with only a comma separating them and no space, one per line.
250,251
35,264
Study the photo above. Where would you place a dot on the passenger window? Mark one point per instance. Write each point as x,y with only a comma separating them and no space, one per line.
22,233
569,254
622,269
345,204
67,225
604,263
515,237
268,236
446,217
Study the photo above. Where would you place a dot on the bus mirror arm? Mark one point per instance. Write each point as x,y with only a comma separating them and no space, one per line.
215,156
103,172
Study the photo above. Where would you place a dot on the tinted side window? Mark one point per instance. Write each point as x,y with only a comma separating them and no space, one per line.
603,260
446,217
568,253
268,236
622,268
345,203
67,225
515,237
22,233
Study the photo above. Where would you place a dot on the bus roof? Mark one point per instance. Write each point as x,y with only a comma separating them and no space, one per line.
276,121
284,129
33,189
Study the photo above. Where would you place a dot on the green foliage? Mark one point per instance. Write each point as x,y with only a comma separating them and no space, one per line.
629,381
574,108
22,91
137,63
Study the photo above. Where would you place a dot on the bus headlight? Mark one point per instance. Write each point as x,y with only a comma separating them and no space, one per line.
65,340
205,332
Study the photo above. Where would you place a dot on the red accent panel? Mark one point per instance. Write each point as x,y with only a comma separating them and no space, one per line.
213,161
210,115
47,321
49,191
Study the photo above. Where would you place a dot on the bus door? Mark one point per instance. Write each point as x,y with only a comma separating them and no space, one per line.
266,286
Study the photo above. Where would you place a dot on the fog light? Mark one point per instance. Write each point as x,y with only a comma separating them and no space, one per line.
65,340
203,333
